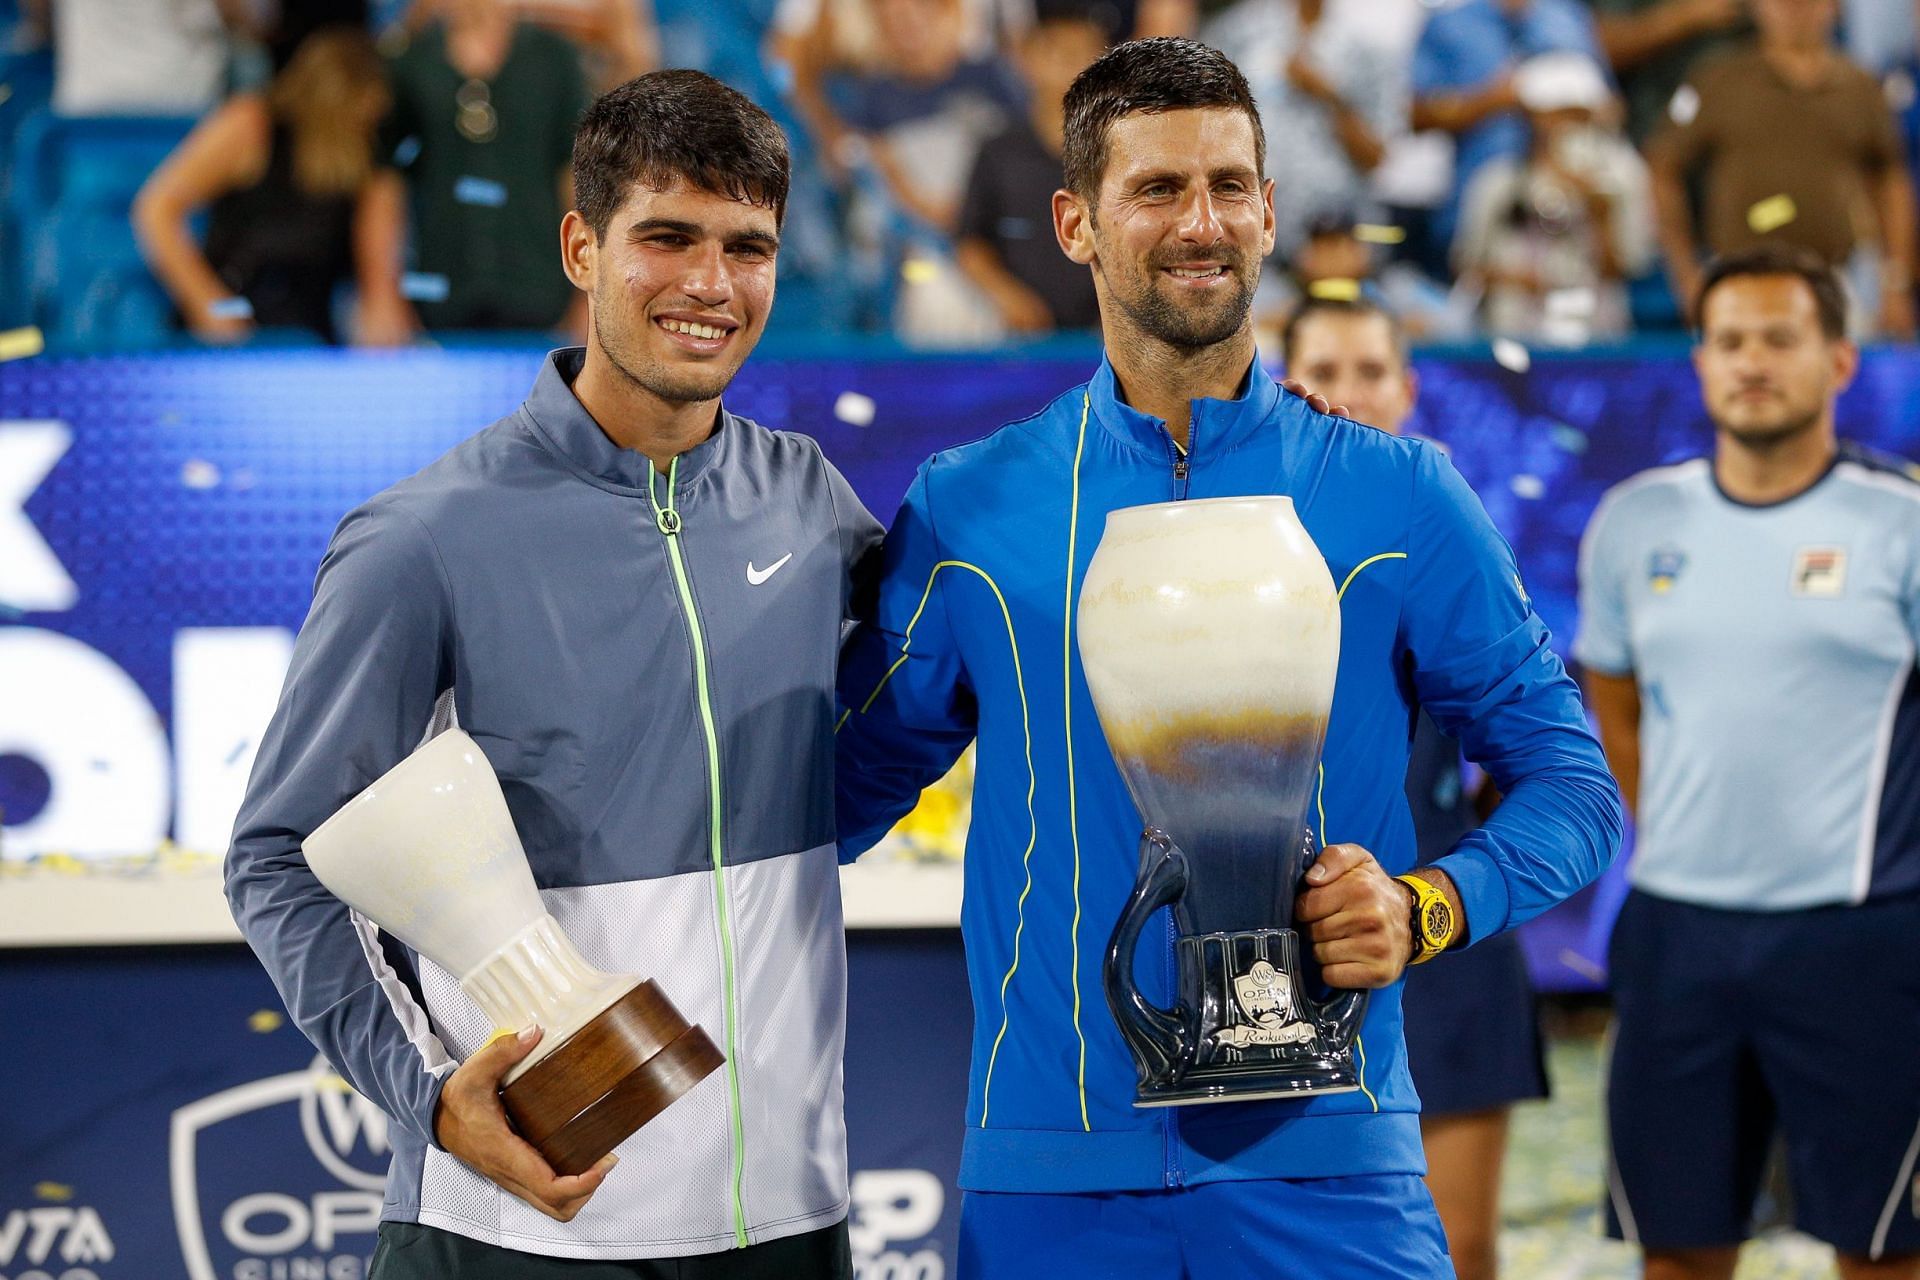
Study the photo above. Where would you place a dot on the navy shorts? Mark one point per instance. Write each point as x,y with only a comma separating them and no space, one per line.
1473,1038
1734,1025
1373,1227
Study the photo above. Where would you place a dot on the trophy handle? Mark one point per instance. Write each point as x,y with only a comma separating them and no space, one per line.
1157,1037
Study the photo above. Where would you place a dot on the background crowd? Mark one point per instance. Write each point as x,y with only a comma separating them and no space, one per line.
370,171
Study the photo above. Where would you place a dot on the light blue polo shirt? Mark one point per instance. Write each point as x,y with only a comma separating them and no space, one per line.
1774,651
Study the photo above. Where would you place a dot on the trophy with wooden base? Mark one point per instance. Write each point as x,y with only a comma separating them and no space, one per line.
429,854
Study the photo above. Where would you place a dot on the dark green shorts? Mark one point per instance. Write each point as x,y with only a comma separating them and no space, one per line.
408,1251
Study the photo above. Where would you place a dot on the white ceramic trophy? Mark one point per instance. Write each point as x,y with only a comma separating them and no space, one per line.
429,853
1209,633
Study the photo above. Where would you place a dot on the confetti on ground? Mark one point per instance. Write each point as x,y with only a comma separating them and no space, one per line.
53,1191
264,1021
198,473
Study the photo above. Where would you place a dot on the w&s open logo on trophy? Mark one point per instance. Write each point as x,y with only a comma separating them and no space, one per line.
1210,638
429,853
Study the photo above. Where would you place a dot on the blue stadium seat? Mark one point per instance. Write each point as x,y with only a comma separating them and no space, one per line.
73,187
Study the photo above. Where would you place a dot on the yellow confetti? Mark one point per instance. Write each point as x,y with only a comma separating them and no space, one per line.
20,344
264,1021
918,270
1378,233
1335,289
1771,214
53,1190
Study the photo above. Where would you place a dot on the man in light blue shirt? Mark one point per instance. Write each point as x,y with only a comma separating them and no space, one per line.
1748,628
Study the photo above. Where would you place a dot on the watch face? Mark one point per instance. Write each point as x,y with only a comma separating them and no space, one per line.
1438,923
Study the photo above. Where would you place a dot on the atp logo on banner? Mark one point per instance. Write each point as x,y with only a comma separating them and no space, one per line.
237,1216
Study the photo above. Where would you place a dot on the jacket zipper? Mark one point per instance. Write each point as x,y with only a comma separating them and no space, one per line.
667,520
1175,1177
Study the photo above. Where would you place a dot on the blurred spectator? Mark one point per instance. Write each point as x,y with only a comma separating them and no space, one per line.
617,38
1342,261
1463,77
484,111
1653,44
298,203
1794,143
141,57
926,114
1551,238
1329,98
818,39
1880,34
1006,240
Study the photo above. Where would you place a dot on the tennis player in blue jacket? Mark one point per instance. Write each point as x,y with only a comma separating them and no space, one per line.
1167,203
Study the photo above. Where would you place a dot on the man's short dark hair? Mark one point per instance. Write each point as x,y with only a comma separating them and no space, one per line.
1316,306
671,125
1165,73
1775,259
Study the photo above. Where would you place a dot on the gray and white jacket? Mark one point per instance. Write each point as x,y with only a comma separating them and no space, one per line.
678,827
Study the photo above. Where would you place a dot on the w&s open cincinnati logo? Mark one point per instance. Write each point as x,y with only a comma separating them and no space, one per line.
247,1210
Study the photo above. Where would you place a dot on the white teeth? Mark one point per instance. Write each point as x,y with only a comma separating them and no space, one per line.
694,330
1196,273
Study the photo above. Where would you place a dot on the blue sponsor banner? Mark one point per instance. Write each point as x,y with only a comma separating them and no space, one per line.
161,518
163,1119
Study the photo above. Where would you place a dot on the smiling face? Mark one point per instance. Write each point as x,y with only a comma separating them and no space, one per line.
1768,370
1177,230
1353,359
680,287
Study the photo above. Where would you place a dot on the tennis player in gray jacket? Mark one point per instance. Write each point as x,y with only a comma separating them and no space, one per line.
632,600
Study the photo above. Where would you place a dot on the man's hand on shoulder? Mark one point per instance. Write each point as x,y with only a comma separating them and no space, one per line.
1357,917
470,1123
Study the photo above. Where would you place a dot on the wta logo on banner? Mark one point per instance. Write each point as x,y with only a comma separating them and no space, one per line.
246,1211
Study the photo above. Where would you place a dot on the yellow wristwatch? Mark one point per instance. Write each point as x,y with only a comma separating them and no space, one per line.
1433,920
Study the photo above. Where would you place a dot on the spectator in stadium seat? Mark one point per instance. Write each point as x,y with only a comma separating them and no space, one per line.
1330,95
485,106
1006,243
298,204
1792,141
1463,77
1653,44
1552,237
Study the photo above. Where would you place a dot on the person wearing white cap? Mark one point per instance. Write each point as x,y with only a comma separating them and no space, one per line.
1552,236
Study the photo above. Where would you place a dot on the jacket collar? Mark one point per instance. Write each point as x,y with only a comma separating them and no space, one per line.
1218,425
569,430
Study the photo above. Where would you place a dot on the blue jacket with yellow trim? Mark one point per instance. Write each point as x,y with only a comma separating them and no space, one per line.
973,636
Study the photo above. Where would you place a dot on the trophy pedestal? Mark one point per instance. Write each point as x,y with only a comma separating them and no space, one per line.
1251,1083
589,1093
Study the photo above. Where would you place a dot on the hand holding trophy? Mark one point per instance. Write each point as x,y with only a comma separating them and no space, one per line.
429,853
1210,635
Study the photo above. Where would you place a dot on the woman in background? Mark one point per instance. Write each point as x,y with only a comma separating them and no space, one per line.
298,204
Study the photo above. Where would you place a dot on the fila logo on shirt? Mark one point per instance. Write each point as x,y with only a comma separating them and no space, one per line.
1820,571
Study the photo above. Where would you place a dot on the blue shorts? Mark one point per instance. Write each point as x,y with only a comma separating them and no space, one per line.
1380,1227
1473,1037
1732,1025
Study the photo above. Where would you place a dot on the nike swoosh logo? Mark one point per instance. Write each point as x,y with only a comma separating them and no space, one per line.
757,576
